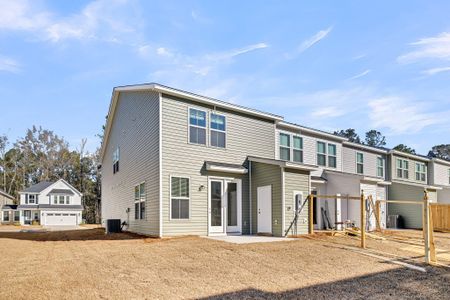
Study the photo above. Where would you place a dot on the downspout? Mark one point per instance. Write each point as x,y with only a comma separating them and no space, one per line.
250,194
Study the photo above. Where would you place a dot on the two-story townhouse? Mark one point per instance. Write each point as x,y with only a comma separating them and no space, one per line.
50,204
410,177
344,168
176,163
7,206
440,176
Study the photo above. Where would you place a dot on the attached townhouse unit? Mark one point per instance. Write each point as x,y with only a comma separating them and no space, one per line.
7,206
177,163
48,204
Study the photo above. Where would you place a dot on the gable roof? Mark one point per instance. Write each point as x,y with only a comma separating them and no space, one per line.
179,93
5,194
39,187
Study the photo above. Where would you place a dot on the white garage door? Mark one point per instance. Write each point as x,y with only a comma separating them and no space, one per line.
61,219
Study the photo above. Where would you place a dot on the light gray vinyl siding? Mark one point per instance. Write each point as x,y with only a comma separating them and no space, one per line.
295,181
245,136
410,213
443,196
135,130
310,148
263,175
370,161
411,168
440,174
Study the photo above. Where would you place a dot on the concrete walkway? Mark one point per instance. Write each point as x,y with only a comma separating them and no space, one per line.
249,239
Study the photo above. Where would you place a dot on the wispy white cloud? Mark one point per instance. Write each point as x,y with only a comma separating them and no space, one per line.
404,116
434,71
328,112
437,47
314,39
360,56
197,64
99,20
362,74
9,65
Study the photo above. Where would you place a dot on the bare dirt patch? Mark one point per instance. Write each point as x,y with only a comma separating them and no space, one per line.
89,264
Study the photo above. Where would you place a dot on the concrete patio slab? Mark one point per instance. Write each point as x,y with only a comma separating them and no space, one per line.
249,239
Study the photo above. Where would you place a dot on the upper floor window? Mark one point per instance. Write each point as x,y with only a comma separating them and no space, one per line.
380,166
197,126
297,149
326,153
332,158
32,199
61,199
359,163
321,154
139,201
421,172
285,146
179,198
402,168
218,130
116,158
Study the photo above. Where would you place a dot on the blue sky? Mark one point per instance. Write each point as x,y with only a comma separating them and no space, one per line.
329,65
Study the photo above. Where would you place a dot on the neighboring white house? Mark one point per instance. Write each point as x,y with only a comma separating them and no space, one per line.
7,205
50,204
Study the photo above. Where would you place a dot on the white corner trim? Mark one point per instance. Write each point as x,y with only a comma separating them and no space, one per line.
283,201
160,169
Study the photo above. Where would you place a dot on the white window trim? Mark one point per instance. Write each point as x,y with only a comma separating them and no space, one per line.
325,153
420,171
329,155
383,166
402,168
34,198
358,163
284,147
140,200
189,126
188,198
211,129
297,149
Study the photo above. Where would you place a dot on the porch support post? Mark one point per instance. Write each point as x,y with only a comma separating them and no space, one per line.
310,214
363,220
426,226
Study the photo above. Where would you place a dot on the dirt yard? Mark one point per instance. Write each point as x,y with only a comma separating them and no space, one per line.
88,264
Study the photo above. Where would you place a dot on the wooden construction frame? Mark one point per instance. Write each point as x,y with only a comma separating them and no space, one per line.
429,246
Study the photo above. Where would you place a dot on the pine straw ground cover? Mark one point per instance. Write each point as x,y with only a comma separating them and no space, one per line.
87,264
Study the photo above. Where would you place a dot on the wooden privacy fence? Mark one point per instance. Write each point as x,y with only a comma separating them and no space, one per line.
441,216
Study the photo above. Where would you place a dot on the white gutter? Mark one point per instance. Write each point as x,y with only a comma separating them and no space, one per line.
412,156
312,131
365,147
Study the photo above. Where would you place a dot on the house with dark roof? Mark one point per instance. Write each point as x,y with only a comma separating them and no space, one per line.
6,202
47,204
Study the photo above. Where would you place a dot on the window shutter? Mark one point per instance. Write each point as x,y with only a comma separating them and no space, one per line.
26,198
37,199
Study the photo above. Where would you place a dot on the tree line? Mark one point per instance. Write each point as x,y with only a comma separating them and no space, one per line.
375,138
42,155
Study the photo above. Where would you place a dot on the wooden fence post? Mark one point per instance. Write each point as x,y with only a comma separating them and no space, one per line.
311,214
363,220
378,213
426,226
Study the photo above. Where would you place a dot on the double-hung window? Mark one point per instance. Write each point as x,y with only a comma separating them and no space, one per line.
218,130
359,163
116,158
332,156
139,201
6,216
197,126
421,172
179,197
285,146
322,154
67,199
402,168
16,216
380,166
31,199
297,151
62,199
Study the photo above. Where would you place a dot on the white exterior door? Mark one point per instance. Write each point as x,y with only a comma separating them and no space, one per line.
264,202
55,219
225,204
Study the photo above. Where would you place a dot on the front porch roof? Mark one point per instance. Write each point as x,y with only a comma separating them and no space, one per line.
424,186
224,167
283,163
9,207
318,179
